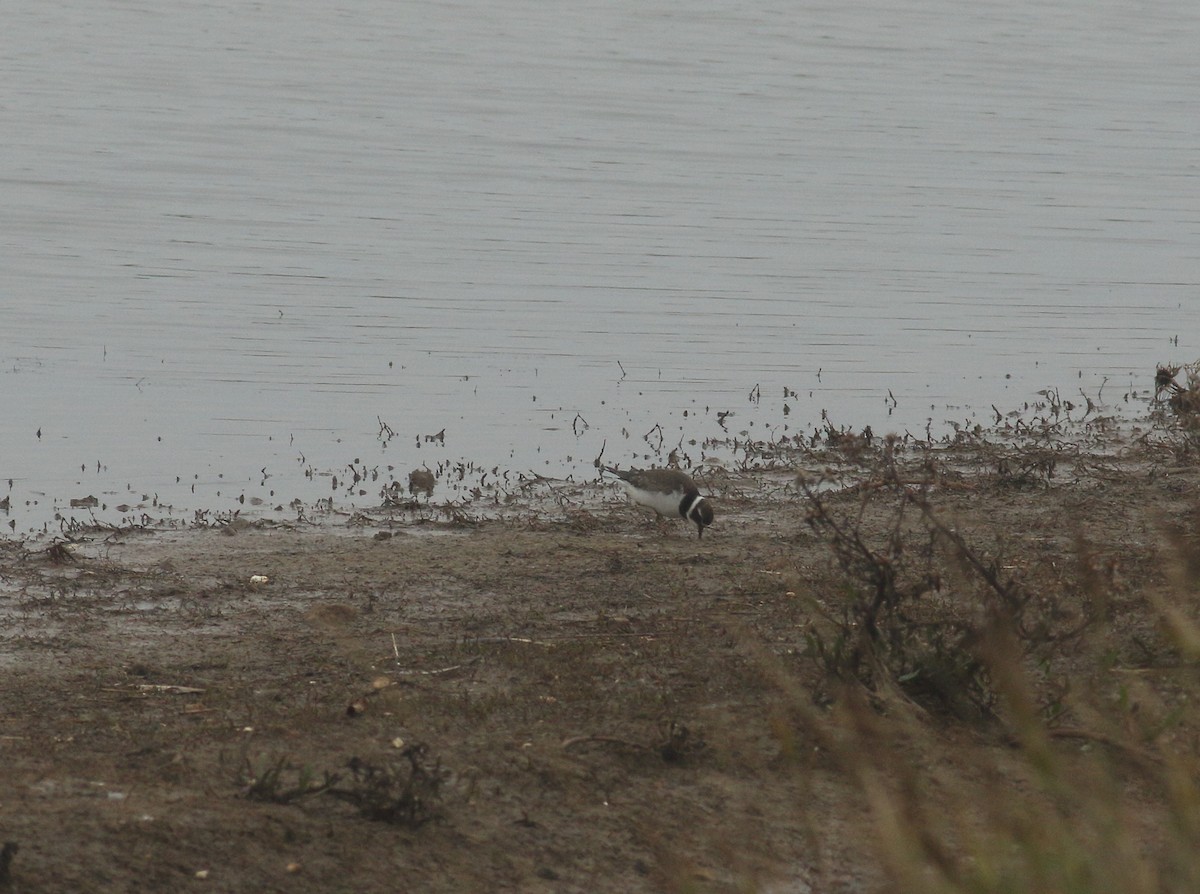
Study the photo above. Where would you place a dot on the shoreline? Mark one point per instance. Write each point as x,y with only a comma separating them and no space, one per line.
576,698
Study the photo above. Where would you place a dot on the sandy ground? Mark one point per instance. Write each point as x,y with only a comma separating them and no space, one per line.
569,699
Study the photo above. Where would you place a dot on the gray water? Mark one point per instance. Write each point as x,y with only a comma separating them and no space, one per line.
238,237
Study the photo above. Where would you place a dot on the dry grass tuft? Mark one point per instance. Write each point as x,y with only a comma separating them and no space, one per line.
1091,781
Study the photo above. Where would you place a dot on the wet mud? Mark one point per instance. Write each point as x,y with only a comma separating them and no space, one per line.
570,696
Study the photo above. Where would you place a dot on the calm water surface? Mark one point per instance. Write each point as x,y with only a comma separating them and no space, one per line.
237,238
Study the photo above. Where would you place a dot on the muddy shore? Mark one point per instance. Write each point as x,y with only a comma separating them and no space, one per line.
576,698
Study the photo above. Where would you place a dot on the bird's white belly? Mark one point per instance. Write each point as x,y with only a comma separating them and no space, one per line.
665,504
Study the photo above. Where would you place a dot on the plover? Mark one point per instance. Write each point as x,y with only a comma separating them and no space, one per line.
668,492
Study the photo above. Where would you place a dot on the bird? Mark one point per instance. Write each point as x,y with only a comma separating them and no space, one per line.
668,492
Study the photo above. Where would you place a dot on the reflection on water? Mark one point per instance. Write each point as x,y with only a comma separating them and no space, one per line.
239,241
